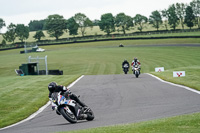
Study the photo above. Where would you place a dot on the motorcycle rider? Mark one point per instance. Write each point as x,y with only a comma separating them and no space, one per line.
136,62
53,87
125,62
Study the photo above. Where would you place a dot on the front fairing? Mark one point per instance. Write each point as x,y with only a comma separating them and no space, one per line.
63,101
125,66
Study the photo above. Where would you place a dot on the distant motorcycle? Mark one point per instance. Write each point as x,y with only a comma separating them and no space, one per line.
136,71
70,109
125,68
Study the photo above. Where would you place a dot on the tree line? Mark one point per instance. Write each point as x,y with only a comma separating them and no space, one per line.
56,25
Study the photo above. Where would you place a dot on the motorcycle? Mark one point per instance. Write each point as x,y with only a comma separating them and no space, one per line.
70,109
136,71
125,68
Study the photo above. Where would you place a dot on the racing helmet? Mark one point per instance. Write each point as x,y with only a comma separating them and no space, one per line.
52,86
135,59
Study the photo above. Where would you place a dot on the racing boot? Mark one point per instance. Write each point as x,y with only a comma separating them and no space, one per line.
82,116
86,109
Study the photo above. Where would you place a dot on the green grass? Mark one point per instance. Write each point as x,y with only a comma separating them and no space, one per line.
179,124
89,59
192,75
21,96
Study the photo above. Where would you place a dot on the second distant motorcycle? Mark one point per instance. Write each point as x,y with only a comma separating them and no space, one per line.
125,66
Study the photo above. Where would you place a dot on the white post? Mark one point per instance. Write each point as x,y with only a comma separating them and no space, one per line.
38,69
29,59
38,65
46,65
25,49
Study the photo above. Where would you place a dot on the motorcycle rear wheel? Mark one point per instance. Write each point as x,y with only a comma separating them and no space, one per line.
90,115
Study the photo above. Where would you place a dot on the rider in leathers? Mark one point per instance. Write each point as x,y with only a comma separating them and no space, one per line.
53,87
136,62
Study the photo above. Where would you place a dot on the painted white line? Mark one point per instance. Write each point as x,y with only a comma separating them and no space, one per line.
72,84
41,109
185,87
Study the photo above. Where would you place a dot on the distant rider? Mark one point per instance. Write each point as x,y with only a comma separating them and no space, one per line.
53,87
136,62
124,63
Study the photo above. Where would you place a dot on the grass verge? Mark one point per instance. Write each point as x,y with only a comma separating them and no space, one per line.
21,96
179,124
192,75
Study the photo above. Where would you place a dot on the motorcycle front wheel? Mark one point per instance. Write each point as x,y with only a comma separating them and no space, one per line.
136,74
68,116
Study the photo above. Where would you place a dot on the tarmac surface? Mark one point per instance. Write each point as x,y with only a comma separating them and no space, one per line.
117,99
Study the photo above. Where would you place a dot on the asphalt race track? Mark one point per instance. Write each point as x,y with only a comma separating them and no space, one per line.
117,99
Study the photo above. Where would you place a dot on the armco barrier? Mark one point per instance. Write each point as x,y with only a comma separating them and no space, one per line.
99,39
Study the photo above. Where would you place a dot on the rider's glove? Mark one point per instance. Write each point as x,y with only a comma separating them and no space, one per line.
67,94
50,99
53,104
66,89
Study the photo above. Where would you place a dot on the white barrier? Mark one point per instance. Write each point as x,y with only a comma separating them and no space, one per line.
159,69
39,61
178,73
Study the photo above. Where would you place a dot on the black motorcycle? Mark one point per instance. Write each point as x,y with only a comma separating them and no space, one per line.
125,68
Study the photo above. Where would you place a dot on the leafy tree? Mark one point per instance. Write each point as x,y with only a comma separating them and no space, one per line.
72,26
189,17
10,34
95,22
3,43
38,35
83,21
195,4
180,10
88,23
165,16
22,32
140,20
123,21
173,19
55,25
36,25
107,23
155,19
2,23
